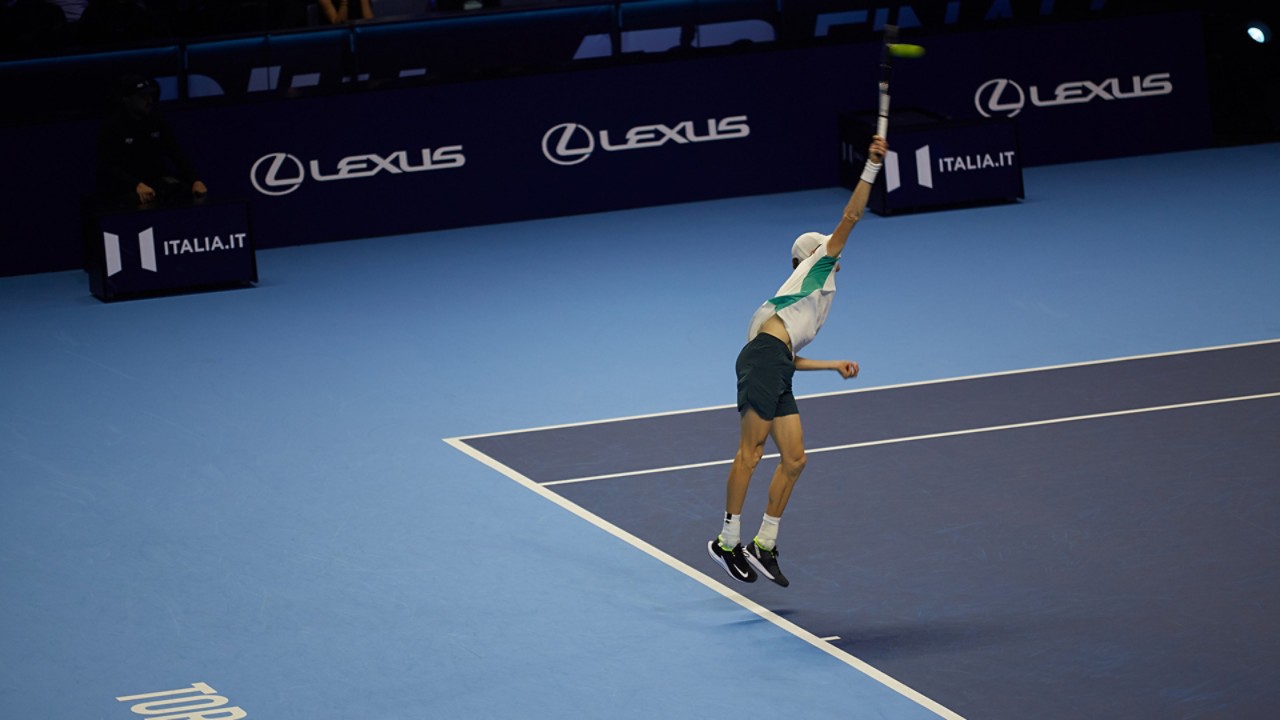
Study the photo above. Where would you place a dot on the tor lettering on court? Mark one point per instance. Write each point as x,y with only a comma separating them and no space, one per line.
197,702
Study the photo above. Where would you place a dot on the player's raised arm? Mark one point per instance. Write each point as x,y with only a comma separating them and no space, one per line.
858,201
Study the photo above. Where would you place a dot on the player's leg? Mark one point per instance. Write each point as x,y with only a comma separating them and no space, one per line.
726,548
788,435
762,551
753,430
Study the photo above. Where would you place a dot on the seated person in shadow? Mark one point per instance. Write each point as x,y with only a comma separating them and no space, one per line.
140,162
337,12
120,23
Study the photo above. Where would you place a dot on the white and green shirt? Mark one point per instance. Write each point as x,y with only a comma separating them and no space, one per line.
803,301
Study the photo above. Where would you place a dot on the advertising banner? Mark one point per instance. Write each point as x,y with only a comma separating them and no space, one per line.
935,163
403,161
415,158
1078,91
150,252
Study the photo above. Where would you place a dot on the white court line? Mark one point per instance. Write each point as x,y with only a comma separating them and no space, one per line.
747,603
930,436
962,378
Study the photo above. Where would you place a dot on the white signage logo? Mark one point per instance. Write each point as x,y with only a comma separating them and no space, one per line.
999,96
893,177
146,251
1006,97
568,150
571,143
281,173
268,180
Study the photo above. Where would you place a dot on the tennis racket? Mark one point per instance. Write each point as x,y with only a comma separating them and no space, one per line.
892,49
886,74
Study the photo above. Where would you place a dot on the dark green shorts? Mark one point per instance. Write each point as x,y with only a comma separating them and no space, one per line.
765,368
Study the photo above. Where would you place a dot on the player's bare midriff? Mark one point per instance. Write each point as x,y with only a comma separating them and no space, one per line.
775,327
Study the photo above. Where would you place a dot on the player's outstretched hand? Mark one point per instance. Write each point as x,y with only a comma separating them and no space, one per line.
847,369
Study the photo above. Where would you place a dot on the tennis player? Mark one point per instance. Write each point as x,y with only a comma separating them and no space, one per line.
779,329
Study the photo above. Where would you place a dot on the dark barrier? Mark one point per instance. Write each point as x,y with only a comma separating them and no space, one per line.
467,47
240,67
410,159
662,25
79,85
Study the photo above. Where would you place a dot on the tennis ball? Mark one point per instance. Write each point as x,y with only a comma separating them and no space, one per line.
906,51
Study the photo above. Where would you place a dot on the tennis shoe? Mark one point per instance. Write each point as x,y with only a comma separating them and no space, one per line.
733,561
765,562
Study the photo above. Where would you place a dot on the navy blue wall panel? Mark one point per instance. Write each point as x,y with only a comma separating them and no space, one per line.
407,158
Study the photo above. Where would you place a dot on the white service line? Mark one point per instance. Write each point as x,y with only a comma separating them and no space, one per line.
930,436
879,388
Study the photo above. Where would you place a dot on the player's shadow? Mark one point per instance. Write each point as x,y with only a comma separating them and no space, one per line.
928,636
925,636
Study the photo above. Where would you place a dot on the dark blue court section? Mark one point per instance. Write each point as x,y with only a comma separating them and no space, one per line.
1116,567
710,435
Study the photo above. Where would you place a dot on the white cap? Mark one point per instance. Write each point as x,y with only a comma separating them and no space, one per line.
806,244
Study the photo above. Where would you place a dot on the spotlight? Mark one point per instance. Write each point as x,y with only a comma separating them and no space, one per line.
1259,32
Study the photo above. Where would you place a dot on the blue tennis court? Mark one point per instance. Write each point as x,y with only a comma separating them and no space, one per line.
1050,493
1023,544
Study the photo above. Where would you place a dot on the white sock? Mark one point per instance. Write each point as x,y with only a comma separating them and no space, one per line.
731,532
768,535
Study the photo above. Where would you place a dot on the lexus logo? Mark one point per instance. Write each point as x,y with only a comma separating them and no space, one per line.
1001,96
282,173
571,143
568,144
277,174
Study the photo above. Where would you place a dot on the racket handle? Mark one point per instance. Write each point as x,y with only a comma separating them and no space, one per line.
882,123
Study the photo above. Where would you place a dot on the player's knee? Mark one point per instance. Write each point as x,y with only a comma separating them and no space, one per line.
749,455
794,463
